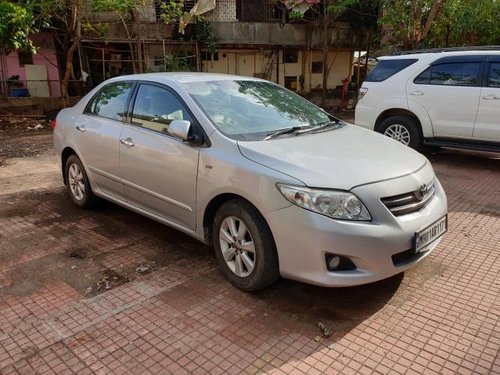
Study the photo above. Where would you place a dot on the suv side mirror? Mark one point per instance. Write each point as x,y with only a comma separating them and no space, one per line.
180,129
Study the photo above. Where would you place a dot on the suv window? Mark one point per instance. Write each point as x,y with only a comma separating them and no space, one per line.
453,74
387,68
494,77
156,107
111,101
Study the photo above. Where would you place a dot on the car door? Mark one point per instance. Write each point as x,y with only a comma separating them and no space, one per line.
97,136
449,92
159,171
488,116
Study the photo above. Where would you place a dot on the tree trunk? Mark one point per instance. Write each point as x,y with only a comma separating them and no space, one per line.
137,24
433,15
198,56
130,44
368,48
325,77
325,59
76,25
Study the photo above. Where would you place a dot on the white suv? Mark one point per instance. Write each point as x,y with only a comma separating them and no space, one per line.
444,98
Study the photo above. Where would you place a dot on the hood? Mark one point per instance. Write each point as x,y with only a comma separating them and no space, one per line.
338,159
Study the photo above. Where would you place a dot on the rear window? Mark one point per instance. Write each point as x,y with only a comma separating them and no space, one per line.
387,68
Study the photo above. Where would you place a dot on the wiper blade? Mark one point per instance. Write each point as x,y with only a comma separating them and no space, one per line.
277,133
325,125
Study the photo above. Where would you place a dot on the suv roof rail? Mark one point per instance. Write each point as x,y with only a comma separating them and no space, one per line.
451,49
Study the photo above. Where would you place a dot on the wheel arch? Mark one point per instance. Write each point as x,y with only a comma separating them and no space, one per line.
397,112
65,154
213,206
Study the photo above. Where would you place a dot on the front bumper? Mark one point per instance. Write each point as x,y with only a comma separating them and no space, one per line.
303,237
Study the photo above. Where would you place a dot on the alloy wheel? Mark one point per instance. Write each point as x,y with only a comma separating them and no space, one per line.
237,246
398,133
76,182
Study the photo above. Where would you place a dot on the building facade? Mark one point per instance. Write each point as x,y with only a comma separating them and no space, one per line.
24,74
257,39
254,38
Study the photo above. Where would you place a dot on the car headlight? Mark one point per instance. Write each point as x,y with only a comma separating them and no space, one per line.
332,203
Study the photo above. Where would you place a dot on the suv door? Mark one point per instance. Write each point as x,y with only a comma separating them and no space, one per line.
159,171
449,92
488,117
98,133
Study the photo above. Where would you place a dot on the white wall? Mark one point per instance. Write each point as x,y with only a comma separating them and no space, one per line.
251,62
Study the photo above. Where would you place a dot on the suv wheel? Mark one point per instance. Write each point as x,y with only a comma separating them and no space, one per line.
402,129
244,246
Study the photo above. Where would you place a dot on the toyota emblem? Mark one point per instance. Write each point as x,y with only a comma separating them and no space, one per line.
420,193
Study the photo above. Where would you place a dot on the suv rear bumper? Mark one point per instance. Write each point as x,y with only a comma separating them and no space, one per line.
365,116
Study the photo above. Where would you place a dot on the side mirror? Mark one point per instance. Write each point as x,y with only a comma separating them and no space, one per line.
180,129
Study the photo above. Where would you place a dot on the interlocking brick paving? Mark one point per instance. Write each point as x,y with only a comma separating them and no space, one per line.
107,291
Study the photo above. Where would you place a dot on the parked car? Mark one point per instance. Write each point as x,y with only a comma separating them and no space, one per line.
442,98
276,185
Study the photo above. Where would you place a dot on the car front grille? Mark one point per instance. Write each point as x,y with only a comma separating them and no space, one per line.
413,201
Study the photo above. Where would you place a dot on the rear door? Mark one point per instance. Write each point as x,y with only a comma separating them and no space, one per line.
449,91
488,117
159,171
97,136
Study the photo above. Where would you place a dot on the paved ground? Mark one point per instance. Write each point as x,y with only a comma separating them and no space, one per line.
107,291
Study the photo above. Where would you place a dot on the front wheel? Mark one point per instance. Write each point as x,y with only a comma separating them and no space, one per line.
244,246
402,129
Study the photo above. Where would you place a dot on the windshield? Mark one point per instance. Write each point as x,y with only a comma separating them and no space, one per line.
251,110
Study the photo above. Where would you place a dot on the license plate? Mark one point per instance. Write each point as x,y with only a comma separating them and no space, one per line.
429,234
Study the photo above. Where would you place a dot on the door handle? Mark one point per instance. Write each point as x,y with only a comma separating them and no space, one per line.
127,142
81,128
491,97
417,93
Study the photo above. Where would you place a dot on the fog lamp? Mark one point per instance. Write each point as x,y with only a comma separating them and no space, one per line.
334,262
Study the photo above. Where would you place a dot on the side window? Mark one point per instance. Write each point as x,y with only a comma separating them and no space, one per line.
424,77
453,74
155,108
111,101
494,76
387,68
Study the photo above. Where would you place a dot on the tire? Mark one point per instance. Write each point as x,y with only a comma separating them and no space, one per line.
263,260
402,129
77,183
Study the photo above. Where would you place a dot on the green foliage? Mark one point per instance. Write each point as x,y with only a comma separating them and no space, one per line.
339,6
175,62
295,15
467,22
297,9
171,11
16,24
453,23
118,6
404,20
206,34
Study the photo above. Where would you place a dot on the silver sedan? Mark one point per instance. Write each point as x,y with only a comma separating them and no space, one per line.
276,185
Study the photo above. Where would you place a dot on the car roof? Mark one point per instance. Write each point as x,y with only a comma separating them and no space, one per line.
184,77
439,54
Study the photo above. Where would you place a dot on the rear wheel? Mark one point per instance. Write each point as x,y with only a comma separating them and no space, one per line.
244,246
402,129
77,183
